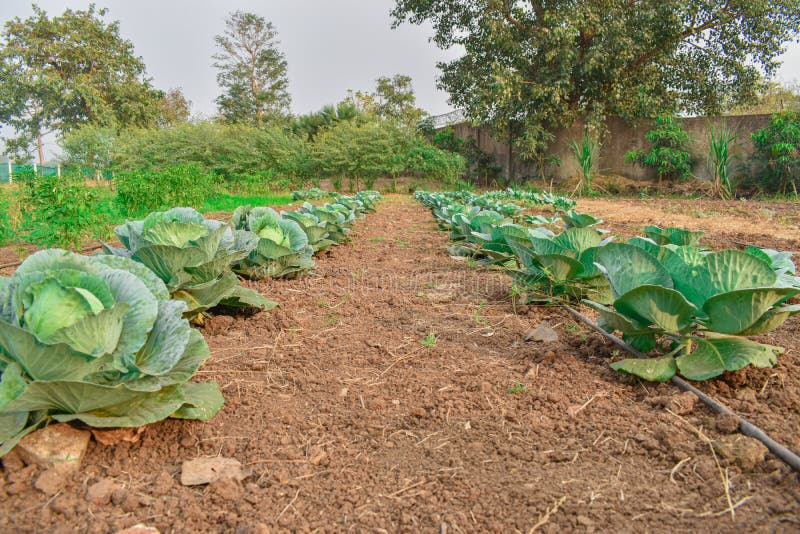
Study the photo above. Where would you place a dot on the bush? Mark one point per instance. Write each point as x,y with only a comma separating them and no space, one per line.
669,154
6,224
143,191
778,146
226,150
59,211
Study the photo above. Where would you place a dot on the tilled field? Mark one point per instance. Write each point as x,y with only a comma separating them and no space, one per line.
348,422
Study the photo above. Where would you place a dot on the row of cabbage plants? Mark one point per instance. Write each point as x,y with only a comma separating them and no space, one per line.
691,309
107,340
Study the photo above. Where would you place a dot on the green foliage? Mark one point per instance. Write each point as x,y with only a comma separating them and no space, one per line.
281,246
142,191
88,146
59,211
585,151
97,340
534,65
428,341
669,154
721,145
395,100
778,146
193,256
700,305
67,71
228,203
225,150
7,232
252,70
693,308
367,149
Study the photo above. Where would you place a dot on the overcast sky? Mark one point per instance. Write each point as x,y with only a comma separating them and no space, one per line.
331,45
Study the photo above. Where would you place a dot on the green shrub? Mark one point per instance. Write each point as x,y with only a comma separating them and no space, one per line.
143,191
225,150
6,225
59,211
778,146
669,154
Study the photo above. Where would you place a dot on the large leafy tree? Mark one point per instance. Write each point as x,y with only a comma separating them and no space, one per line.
252,70
66,71
174,108
531,65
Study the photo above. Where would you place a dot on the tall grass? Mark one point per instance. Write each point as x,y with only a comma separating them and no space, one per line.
721,143
585,151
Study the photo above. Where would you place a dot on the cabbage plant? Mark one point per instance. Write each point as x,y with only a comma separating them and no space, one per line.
698,307
98,340
673,236
561,265
316,229
193,256
282,248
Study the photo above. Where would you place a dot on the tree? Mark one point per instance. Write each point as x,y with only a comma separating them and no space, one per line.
395,100
252,70
773,98
63,72
531,66
174,108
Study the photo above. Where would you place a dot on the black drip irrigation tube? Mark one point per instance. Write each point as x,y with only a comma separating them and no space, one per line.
746,427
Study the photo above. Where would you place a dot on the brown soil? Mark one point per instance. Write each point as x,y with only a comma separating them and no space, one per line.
349,422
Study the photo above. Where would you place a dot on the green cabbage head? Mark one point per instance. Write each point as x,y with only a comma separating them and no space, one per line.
95,339
193,256
282,250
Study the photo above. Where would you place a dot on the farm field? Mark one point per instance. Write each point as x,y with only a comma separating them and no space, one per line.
393,389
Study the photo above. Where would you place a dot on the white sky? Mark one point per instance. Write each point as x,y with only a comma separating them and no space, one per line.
331,45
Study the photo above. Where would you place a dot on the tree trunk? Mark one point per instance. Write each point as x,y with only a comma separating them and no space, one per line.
41,149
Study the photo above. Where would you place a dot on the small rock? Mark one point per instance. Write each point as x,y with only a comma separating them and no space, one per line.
343,392
585,521
139,529
683,403
55,445
319,459
741,450
100,492
52,480
726,423
419,412
207,470
542,333
117,435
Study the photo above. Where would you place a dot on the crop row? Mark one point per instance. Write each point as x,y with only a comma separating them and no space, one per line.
107,340
692,309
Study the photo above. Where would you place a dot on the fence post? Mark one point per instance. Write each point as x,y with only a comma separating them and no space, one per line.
10,167
34,167
58,171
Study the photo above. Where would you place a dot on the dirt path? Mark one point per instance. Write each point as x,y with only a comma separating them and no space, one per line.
348,422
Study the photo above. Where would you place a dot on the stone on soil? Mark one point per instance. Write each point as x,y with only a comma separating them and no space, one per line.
60,446
51,481
207,470
741,450
542,333
100,492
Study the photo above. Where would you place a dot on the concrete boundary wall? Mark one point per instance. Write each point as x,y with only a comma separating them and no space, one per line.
623,136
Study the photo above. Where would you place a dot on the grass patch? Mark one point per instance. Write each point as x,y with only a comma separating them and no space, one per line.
228,203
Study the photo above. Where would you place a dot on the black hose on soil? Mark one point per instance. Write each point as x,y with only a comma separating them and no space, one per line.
747,428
